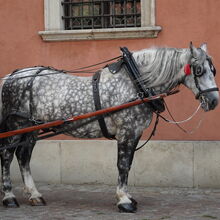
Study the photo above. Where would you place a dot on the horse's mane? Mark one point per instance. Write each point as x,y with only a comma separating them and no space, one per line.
160,66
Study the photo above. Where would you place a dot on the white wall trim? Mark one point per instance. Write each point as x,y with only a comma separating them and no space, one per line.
52,15
100,34
54,26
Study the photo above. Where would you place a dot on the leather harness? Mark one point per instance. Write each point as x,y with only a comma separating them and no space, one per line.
97,102
128,63
17,112
131,68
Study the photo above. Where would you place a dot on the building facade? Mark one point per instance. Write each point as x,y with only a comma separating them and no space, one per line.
33,33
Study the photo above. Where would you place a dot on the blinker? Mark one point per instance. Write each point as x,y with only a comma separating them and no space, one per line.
187,69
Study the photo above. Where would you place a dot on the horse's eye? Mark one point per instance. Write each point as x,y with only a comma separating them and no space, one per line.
199,71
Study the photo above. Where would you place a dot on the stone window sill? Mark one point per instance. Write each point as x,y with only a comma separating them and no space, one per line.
101,34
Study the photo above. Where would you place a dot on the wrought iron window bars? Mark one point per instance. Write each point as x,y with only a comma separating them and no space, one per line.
98,14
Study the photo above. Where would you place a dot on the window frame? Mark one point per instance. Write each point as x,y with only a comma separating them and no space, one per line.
54,25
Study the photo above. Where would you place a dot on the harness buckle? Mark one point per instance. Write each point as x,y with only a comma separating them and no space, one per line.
37,122
140,95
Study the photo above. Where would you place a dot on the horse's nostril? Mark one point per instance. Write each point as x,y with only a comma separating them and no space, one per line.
214,103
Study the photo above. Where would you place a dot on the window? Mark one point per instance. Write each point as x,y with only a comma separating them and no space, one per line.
96,14
99,19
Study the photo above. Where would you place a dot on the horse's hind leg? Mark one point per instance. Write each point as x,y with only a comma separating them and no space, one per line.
9,199
23,154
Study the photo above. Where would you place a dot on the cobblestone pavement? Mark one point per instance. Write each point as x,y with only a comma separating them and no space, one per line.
98,202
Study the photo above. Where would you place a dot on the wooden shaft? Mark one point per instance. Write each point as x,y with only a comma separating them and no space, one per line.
79,117
30,129
115,108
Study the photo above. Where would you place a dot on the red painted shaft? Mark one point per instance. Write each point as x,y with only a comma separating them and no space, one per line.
79,117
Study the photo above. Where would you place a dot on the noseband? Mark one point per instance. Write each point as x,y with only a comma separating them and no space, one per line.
198,71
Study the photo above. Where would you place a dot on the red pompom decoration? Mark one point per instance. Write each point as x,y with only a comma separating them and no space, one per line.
187,69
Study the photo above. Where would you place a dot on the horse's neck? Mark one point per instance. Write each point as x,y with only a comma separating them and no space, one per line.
161,67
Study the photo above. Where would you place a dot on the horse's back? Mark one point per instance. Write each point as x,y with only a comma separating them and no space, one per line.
50,93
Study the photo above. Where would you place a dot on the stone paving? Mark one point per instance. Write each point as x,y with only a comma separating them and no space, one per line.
98,202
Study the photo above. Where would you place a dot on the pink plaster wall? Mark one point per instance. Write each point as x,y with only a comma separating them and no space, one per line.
182,21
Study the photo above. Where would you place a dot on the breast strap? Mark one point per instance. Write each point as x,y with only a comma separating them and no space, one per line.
97,102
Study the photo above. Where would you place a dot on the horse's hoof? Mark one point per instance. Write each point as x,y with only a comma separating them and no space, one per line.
10,203
37,201
127,207
134,202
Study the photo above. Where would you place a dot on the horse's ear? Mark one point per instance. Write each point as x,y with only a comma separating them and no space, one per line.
192,49
204,47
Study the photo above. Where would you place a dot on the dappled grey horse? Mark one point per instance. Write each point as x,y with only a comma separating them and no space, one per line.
54,95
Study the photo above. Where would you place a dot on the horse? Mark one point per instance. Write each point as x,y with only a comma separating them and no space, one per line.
39,94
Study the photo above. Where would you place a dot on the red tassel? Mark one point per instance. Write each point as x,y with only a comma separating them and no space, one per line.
187,69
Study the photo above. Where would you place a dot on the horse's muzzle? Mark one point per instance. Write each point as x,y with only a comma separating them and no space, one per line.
209,101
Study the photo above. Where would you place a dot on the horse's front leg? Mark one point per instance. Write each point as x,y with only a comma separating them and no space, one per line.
126,151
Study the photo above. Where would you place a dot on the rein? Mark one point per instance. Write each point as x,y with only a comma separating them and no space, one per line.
173,121
58,71
177,123
97,64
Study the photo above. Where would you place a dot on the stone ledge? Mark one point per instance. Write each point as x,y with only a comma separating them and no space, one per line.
101,34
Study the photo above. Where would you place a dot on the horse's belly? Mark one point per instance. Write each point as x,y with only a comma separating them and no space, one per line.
84,129
87,128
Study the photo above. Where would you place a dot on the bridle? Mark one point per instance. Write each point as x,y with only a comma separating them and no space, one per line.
198,70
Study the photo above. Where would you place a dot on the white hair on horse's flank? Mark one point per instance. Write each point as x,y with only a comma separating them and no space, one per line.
159,66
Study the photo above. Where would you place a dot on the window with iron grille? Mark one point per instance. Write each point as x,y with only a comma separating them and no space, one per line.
66,20
98,14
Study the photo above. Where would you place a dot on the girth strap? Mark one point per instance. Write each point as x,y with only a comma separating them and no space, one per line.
96,97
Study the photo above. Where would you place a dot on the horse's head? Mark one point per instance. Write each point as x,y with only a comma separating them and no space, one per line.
200,77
